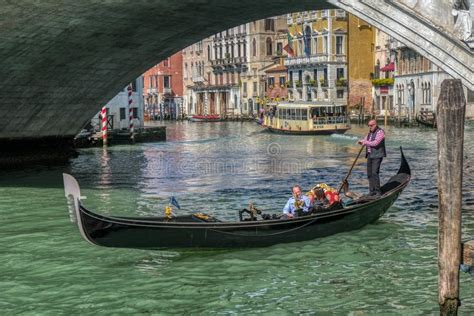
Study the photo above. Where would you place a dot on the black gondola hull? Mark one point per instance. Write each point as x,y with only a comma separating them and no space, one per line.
155,233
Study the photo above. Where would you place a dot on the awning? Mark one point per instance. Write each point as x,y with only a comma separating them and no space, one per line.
388,67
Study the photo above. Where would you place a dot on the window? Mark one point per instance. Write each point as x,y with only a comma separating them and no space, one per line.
269,25
340,94
254,47
245,49
134,86
304,114
135,112
208,52
300,75
255,88
340,73
279,49
282,81
307,41
122,113
244,86
339,50
315,45
271,82
325,45
166,63
290,76
167,81
269,46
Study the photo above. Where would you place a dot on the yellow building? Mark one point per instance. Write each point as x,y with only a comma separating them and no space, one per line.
333,57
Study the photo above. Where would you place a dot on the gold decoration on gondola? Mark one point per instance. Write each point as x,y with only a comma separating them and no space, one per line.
201,216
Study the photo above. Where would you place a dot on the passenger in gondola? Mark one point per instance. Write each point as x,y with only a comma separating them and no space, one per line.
325,198
297,205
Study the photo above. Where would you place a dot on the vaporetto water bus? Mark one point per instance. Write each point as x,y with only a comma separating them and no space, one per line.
307,118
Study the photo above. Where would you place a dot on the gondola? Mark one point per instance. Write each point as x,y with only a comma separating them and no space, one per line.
200,230
426,118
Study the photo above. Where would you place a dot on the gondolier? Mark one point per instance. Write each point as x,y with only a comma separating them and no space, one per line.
374,152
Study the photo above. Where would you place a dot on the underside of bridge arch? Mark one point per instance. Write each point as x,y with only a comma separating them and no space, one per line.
62,60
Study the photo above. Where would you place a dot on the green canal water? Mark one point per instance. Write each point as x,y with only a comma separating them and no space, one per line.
386,268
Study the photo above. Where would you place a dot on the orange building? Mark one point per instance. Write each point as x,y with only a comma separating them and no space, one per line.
163,89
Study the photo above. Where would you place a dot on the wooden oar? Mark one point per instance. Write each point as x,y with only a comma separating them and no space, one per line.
350,170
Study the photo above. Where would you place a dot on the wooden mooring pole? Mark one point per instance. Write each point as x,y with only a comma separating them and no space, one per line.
451,110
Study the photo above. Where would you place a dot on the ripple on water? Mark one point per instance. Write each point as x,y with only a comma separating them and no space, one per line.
386,268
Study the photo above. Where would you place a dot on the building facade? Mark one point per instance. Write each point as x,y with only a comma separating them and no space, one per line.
332,57
118,116
224,74
417,82
163,89
383,76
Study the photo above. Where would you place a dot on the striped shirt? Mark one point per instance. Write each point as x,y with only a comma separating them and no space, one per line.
379,137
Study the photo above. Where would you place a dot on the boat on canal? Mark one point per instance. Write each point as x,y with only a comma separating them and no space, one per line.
307,118
204,231
205,118
426,118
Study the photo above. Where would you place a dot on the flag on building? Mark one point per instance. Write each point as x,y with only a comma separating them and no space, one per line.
289,47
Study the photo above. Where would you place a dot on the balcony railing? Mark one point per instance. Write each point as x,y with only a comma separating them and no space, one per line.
198,79
340,14
289,20
325,14
167,91
314,59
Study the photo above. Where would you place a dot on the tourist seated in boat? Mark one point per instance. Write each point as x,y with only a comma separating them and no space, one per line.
325,197
297,205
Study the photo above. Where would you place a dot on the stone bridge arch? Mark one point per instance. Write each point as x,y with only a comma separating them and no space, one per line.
60,61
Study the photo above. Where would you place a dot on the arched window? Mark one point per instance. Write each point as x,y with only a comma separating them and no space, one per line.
254,47
269,46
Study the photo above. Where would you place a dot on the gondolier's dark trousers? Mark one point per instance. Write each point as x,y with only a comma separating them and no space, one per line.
373,170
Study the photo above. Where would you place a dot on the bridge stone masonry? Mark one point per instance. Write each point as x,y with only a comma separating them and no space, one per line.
62,60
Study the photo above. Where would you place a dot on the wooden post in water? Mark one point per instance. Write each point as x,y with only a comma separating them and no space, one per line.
451,110
468,253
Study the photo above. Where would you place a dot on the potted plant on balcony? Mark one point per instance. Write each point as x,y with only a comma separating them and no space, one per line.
341,82
313,83
323,82
383,82
289,84
298,83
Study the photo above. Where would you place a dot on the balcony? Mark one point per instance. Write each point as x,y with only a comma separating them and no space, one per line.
340,14
167,91
151,91
198,79
298,19
314,15
307,17
289,20
314,59
341,82
325,14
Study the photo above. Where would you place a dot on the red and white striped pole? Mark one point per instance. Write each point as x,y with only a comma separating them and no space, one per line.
103,113
130,111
